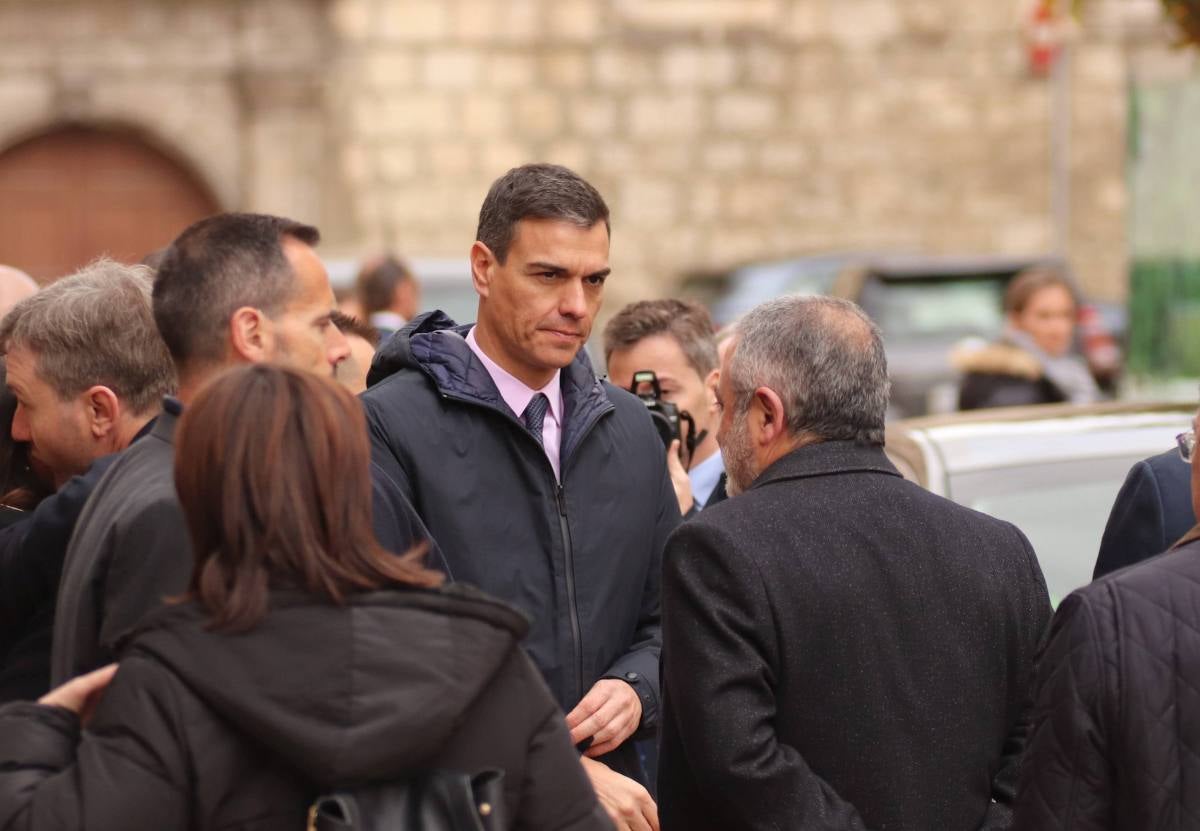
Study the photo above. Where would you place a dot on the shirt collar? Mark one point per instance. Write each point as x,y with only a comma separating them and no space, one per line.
514,391
387,320
704,477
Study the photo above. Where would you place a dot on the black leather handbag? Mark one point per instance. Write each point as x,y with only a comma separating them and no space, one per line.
434,801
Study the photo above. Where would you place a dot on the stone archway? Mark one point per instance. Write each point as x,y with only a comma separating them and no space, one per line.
73,193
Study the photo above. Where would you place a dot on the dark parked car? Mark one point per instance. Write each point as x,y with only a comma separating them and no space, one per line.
924,305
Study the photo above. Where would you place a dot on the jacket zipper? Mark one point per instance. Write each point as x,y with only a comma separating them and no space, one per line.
569,555
564,526
572,602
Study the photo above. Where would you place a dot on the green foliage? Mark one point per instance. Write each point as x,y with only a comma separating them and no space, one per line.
1164,317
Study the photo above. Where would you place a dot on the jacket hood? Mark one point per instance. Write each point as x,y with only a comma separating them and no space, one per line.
395,353
344,694
436,346
998,359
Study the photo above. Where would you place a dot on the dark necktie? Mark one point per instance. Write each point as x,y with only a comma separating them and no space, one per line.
535,414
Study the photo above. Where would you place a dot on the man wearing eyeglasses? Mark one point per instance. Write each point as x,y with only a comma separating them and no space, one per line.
1152,511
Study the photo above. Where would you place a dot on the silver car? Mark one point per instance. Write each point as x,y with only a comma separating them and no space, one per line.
1053,471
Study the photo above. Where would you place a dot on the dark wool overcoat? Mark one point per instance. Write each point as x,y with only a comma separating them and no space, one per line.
844,649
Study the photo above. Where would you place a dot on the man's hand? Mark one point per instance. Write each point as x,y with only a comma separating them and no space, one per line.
627,803
679,478
609,714
81,695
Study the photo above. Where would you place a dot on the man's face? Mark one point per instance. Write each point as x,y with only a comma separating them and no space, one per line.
305,337
737,448
536,309
58,432
680,382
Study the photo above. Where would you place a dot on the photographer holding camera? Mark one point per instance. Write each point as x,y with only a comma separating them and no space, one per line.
665,352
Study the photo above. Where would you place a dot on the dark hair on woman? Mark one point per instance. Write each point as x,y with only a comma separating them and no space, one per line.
1030,281
272,470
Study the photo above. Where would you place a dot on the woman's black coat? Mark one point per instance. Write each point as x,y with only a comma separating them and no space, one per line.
202,730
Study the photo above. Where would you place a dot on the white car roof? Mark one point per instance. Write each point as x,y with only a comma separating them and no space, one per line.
1013,437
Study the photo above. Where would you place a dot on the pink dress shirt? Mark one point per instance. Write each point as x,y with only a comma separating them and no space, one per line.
516,395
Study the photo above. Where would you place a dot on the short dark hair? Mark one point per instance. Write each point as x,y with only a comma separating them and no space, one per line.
537,191
824,358
377,282
95,327
213,268
688,322
272,472
1030,281
351,325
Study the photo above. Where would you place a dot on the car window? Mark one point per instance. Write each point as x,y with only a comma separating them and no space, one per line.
924,308
1062,507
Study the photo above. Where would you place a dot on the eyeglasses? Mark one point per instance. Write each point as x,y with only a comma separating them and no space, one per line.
1187,445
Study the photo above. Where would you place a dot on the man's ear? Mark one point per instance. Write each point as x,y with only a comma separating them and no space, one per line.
767,417
103,411
251,338
711,384
483,263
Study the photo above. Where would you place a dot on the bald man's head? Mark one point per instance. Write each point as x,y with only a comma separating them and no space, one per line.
15,286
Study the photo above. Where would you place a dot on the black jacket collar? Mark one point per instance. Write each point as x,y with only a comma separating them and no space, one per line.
827,458
435,345
164,424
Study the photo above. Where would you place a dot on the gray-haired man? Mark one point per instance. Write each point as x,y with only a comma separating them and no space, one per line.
841,648
88,370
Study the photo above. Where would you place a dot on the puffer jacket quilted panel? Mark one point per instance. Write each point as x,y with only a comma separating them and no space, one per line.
1116,743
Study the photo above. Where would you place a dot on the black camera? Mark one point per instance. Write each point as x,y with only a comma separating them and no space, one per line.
671,422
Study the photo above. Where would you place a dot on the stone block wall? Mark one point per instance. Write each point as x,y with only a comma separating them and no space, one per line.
720,131
234,90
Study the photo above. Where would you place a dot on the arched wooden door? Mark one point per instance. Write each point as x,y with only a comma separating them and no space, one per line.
72,194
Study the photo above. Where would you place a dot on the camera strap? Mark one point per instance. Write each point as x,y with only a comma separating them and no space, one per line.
692,439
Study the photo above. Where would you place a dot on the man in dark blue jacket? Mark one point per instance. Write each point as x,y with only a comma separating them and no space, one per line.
541,484
1151,512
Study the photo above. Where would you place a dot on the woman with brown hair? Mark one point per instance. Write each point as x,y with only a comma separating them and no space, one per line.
1032,363
302,658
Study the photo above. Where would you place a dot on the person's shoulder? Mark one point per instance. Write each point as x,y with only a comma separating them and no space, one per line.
730,526
1175,572
399,386
144,683
622,399
1164,466
143,474
628,408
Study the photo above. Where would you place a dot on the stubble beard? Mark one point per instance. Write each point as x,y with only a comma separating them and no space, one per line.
739,458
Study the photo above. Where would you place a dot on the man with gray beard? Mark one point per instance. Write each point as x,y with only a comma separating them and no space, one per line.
841,648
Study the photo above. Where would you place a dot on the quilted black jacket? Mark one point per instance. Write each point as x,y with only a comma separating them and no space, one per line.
1116,742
